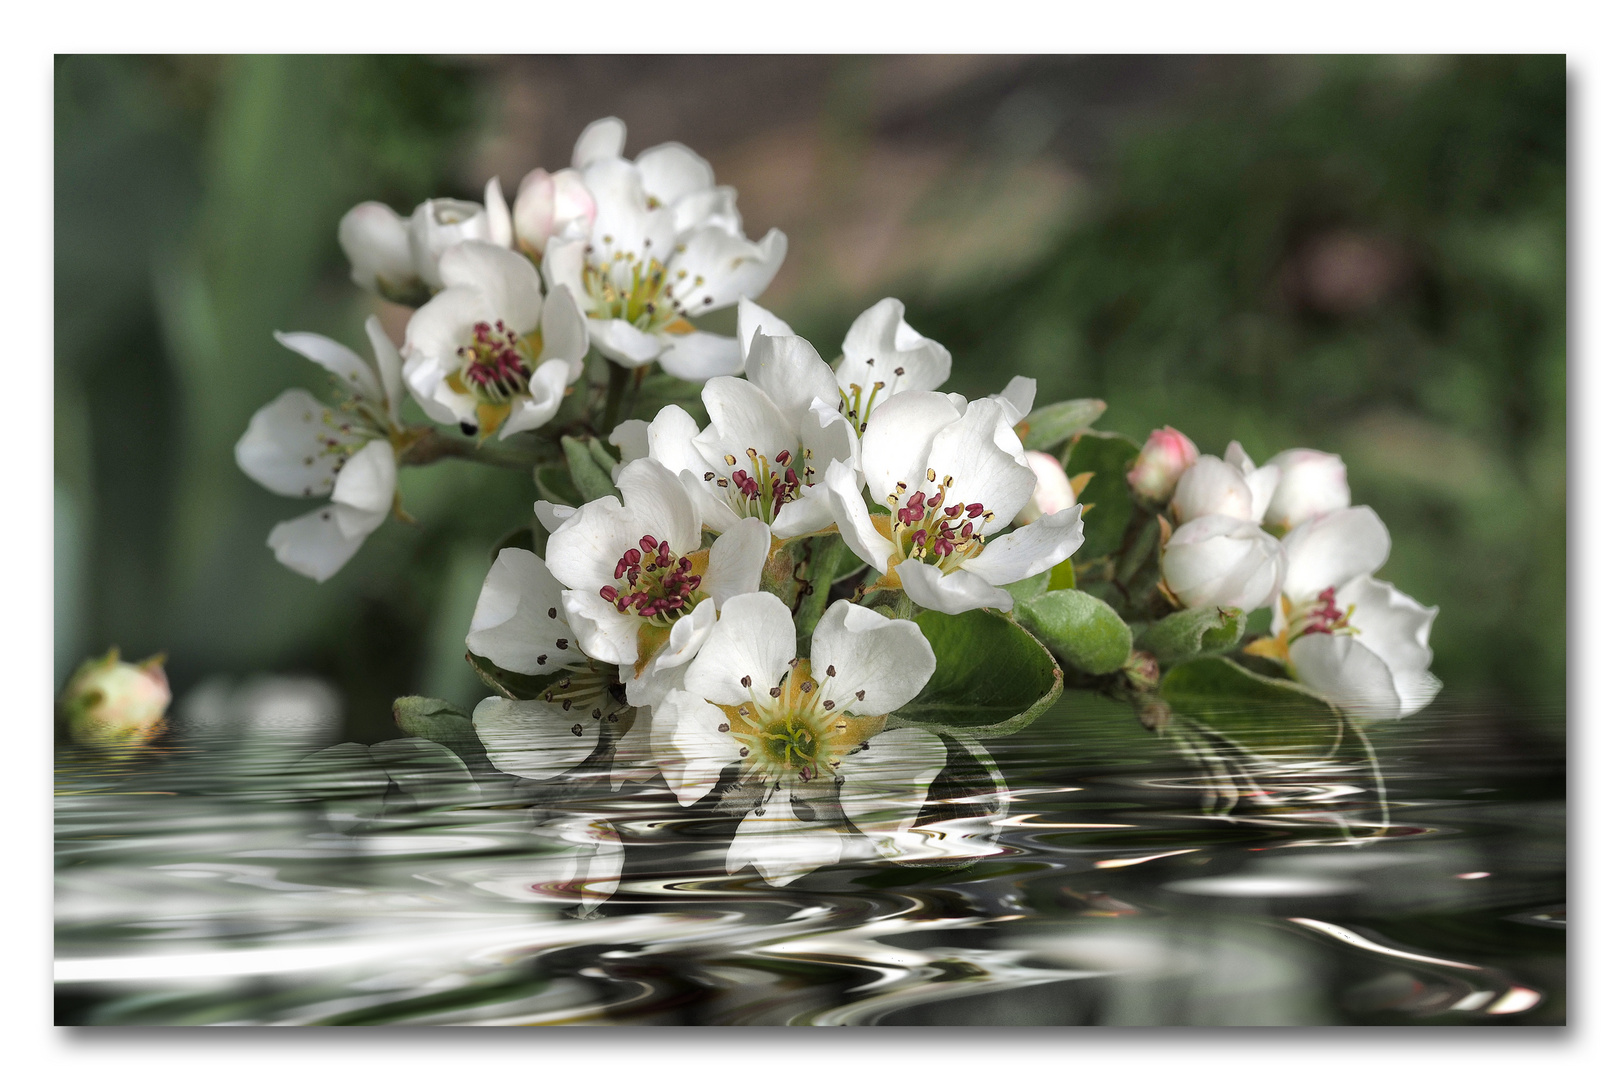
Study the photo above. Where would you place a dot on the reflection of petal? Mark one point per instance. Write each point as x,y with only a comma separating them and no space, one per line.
782,847
598,857
533,739
429,773
886,783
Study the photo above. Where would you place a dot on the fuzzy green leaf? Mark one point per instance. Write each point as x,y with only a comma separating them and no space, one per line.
991,678
1185,634
1052,424
588,475
1266,715
435,720
1079,628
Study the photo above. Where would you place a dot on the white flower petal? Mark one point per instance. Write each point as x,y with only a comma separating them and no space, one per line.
625,223
520,616
533,739
436,226
1212,486
1347,673
547,388
731,267
951,593
897,439
671,171
285,446
751,320
600,140
790,372
585,549
1223,561
564,333
699,355
351,372
500,218
753,639
882,335
887,781
714,208
982,471
889,659
601,630
552,515
854,519
1330,550
313,544
378,246
388,366
633,440
688,745
366,481
507,280
1017,399
534,211
811,512
624,344
1310,483
736,560
1029,549
661,505
782,847
1396,628
745,418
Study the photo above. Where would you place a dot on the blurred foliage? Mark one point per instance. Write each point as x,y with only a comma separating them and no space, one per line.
1368,257
1365,256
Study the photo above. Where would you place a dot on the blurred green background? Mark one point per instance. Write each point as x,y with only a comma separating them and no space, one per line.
1364,255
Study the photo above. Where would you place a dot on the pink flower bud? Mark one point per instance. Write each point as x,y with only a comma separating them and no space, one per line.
1053,492
112,705
1166,456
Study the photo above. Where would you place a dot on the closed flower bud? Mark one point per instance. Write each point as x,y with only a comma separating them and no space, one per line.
1221,561
112,705
1212,486
1053,492
377,242
1167,455
1311,483
550,205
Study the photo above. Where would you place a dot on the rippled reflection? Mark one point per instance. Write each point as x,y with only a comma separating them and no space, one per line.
1081,872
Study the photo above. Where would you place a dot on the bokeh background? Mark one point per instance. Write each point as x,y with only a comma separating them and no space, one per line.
1364,255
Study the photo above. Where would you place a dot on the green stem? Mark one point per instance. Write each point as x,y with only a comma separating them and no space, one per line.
824,557
429,446
618,379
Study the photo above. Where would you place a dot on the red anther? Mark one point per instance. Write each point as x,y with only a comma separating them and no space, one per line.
622,603
915,501
792,478
975,509
783,458
939,497
685,565
663,547
919,536
608,593
953,511
943,547
648,544
967,529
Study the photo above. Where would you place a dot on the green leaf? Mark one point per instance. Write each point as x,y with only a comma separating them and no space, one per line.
1106,457
1272,716
434,720
991,677
592,481
510,684
555,485
1185,634
1079,628
1052,424
1062,576
1030,587
601,455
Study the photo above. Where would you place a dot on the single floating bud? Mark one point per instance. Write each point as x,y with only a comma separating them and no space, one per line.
112,705
1166,455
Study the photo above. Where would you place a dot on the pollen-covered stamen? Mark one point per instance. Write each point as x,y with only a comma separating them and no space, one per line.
1320,616
925,527
656,583
763,487
494,368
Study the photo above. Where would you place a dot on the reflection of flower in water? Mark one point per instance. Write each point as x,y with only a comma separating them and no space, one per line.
582,863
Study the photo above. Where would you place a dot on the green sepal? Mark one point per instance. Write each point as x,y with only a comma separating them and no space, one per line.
1107,457
1258,713
435,720
510,684
1052,424
991,676
1080,630
556,486
589,477
1185,634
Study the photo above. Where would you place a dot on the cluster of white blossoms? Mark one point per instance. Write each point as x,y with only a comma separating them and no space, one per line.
1285,536
674,620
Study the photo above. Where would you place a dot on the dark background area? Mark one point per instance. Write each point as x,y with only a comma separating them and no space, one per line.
1364,255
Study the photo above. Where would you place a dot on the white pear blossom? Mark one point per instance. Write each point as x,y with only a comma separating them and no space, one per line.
487,352
520,624
298,446
950,476
1309,483
640,589
550,204
1359,642
884,356
664,247
1232,487
1223,561
398,258
798,728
